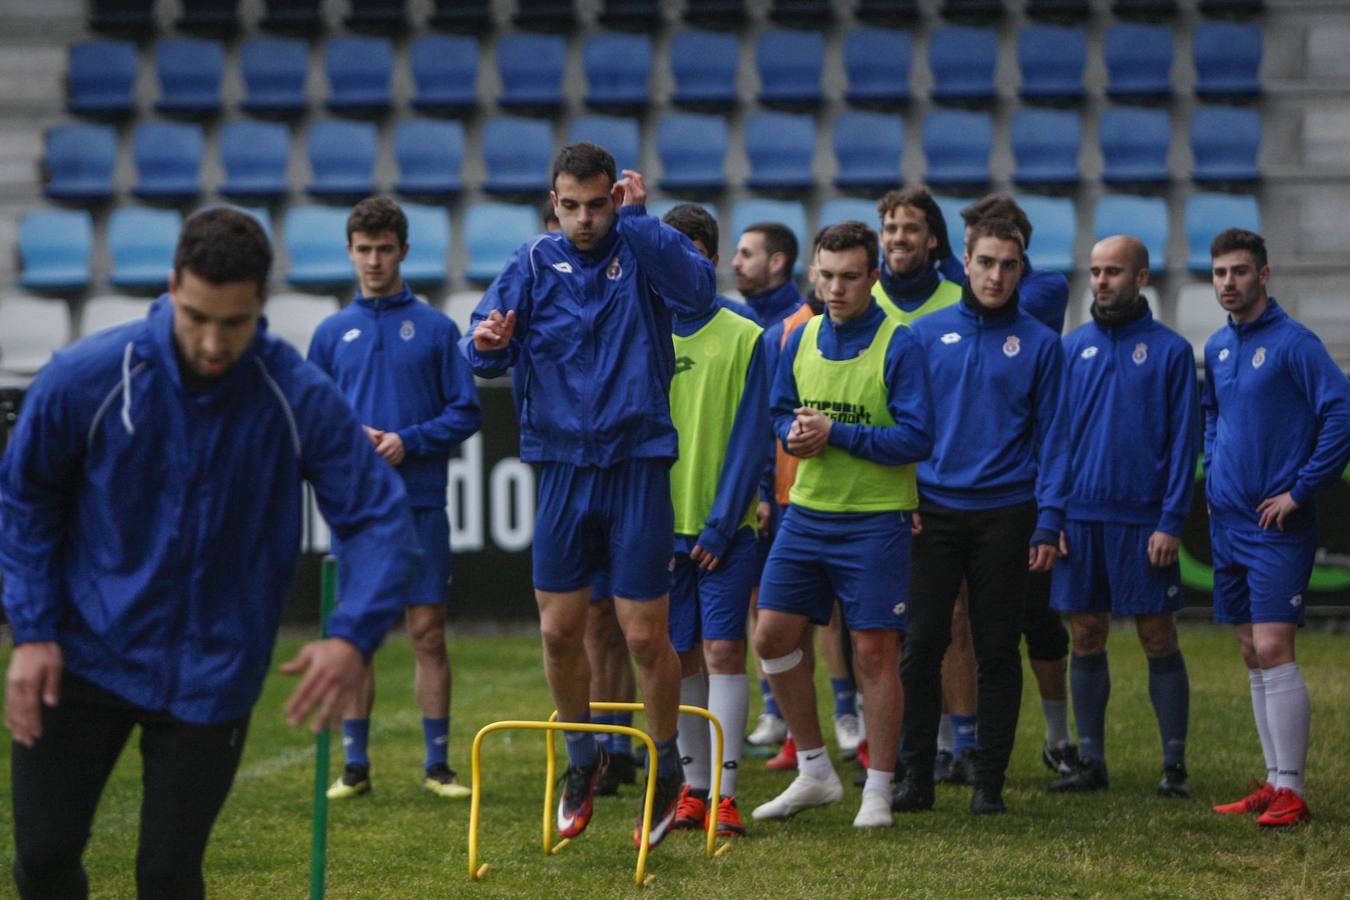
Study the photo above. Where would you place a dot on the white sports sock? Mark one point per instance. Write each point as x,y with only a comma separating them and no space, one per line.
1262,723
815,762
695,754
878,780
1056,722
729,701
945,742
1288,713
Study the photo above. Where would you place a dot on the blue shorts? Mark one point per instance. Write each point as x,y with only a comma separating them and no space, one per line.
713,605
1261,576
863,560
1107,571
430,581
591,521
600,588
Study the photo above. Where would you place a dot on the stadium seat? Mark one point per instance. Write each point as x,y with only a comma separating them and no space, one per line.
274,71
876,67
693,152
1209,214
517,153
342,158
788,212
466,16
460,305
255,157
209,17
972,11
1054,226
1227,60
531,69
359,69
1199,314
780,147
957,146
545,15
294,317
1059,10
720,14
618,68
1143,217
141,243
135,18
189,72
632,15
1051,59
1145,10
445,73
101,78
1045,146
79,161
428,244
1138,62
1225,141
430,157
817,14
379,16
110,310
844,209
316,243
887,13
168,160
1134,145
790,65
260,214
291,16
54,249
704,65
963,61
31,329
492,232
868,147
621,137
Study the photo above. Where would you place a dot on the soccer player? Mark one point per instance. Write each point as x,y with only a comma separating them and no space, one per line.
583,320
913,239
150,523
397,362
851,400
991,505
1134,432
1277,430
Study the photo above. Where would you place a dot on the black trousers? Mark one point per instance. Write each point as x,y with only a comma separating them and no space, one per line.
1047,638
187,771
988,548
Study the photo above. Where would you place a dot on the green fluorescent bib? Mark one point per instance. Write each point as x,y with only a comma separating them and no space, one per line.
947,293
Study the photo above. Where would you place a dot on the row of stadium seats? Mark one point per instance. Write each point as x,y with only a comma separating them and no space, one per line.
790,64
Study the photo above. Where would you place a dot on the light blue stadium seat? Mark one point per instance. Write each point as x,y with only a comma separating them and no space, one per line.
342,158
31,329
868,147
1227,60
618,69
1134,145
108,311
1045,146
1052,58
1143,217
621,137
445,72
518,153
141,243
693,151
168,159
492,232
259,214
531,68
189,71
1054,226
787,212
1225,141
1209,214
255,157
963,61
704,65
876,66
274,72
359,70
428,244
294,317
54,249
79,162
790,64
957,145
430,156
316,242
101,78
1138,62
780,147
844,209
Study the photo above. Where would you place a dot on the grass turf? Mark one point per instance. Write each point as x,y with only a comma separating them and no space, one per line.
401,842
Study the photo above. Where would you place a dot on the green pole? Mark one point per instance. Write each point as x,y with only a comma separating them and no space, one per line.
318,852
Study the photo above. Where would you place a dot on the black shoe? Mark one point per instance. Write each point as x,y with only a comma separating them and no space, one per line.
1174,782
1089,776
963,769
622,769
1062,760
575,807
915,794
665,805
942,767
987,802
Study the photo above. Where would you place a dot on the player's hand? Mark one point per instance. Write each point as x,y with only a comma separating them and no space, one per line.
333,670
915,524
763,516
1063,545
494,332
1274,510
630,190
1163,549
374,434
34,681
1042,557
810,432
706,561
390,447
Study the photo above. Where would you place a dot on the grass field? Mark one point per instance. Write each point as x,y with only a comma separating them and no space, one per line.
400,842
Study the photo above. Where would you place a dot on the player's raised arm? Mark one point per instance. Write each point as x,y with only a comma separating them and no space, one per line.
684,277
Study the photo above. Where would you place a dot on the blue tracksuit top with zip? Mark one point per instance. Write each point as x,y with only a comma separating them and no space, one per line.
1002,435
591,355
770,307
397,362
1134,423
152,529
1277,418
1042,293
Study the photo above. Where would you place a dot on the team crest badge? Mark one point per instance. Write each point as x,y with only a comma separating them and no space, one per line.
1012,346
1088,352
1140,354
614,270
406,330
1259,358
351,335
951,337
1223,354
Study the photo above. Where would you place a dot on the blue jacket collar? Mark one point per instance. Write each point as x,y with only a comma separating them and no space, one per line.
776,304
602,248
972,308
1274,313
402,298
909,291
870,318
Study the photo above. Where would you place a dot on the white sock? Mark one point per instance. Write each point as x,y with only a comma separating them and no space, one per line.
1262,723
729,701
695,754
878,780
945,742
1056,722
815,762
1288,714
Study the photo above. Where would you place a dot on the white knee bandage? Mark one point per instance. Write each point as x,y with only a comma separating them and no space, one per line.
781,664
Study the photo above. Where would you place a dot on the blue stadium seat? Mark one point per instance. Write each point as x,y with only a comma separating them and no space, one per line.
1134,145
1045,146
1052,58
359,69
1227,60
1209,214
957,146
255,157
122,17
790,65
1054,226
141,243
445,71
168,160
316,243
430,156
292,16
868,147
531,68
342,158
428,243
209,16
54,249
518,153
1138,62
704,66
693,152
1142,217
101,78
380,16
31,329
876,66
492,232
189,71
618,69
621,137
274,71
780,147
79,161
1225,141
788,212
844,209
963,62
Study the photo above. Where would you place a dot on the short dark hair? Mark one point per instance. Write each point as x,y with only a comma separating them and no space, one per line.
778,238
583,161
1240,239
843,236
920,199
999,206
376,215
549,214
994,227
224,245
695,223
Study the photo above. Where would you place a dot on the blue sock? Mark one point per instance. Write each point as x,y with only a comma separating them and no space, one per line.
965,730
1169,688
1090,685
845,696
436,736
355,734
667,758
770,704
621,743
582,747
604,739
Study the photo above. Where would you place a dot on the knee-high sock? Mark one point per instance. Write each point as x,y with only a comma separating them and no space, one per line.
845,696
729,701
436,738
695,754
1056,722
945,740
770,704
1090,685
1262,722
355,734
1288,713
1169,687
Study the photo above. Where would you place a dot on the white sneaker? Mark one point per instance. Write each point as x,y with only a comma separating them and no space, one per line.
848,732
874,811
804,793
770,730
